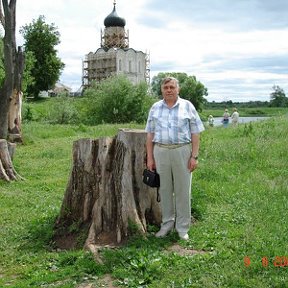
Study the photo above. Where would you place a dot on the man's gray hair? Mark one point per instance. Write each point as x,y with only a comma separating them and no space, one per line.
168,79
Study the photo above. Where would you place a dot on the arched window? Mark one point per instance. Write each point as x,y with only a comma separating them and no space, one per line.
120,65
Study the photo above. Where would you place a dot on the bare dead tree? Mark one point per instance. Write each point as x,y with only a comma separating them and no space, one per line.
13,64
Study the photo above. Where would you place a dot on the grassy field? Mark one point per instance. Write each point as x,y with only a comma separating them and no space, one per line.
239,203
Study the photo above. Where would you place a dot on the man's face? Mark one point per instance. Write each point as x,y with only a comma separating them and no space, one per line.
170,90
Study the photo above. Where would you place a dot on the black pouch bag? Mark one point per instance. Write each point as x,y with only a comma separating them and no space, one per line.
152,179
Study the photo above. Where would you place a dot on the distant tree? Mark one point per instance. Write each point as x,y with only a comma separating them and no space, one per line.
278,97
41,39
194,91
28,78
191,89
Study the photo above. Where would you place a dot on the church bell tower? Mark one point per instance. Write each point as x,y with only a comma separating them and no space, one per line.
114,35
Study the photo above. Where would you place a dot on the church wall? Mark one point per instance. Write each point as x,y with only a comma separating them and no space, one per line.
132,64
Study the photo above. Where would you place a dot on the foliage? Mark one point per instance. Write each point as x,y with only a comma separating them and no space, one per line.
194,91
278,97
230,104
56,110
62,111
116,100
239,195
28,79
190,88
41,39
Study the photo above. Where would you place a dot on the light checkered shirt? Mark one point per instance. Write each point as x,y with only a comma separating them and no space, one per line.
173,125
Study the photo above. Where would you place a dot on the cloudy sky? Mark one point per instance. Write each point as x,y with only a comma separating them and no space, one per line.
237,49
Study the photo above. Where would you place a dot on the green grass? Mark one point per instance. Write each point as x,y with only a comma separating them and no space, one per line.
239,201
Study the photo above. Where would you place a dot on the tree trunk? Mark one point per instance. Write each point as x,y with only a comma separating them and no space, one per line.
13,64
15,104
7,171
105,195
14,116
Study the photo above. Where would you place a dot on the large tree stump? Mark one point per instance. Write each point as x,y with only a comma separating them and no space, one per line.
105,194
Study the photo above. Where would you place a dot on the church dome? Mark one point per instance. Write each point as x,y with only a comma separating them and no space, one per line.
113,20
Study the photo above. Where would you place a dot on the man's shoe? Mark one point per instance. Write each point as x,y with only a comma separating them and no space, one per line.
162,232
184,236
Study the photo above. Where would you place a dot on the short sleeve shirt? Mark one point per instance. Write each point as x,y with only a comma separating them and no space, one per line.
173,125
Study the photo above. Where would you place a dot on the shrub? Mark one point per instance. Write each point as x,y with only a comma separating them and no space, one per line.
116,100
63,112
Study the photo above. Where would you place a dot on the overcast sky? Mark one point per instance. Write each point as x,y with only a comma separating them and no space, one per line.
237,49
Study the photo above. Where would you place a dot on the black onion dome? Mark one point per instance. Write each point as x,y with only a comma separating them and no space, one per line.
113,20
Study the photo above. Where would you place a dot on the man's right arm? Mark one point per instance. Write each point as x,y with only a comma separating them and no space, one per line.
149,149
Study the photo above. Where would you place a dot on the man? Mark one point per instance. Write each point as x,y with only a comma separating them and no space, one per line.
173,124
235,116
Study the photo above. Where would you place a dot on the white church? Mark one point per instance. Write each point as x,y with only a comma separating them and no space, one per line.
115,56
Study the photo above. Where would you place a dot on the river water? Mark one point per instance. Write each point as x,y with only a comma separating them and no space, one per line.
218,120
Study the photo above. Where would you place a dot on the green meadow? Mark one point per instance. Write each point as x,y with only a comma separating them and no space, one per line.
240,204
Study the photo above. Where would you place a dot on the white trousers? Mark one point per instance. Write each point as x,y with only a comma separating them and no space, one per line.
175,186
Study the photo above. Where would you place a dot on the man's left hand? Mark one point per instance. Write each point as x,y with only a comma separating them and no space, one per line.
192,164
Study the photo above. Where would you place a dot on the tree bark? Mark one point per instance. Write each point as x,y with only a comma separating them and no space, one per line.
105,195
15,103
7,171
14,64
14,116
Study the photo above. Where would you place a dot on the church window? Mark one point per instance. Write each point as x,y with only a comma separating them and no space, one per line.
120,65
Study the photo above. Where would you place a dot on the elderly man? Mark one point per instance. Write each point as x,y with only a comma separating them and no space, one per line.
173,138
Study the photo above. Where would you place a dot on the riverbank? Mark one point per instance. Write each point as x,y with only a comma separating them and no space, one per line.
242,120
247,112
